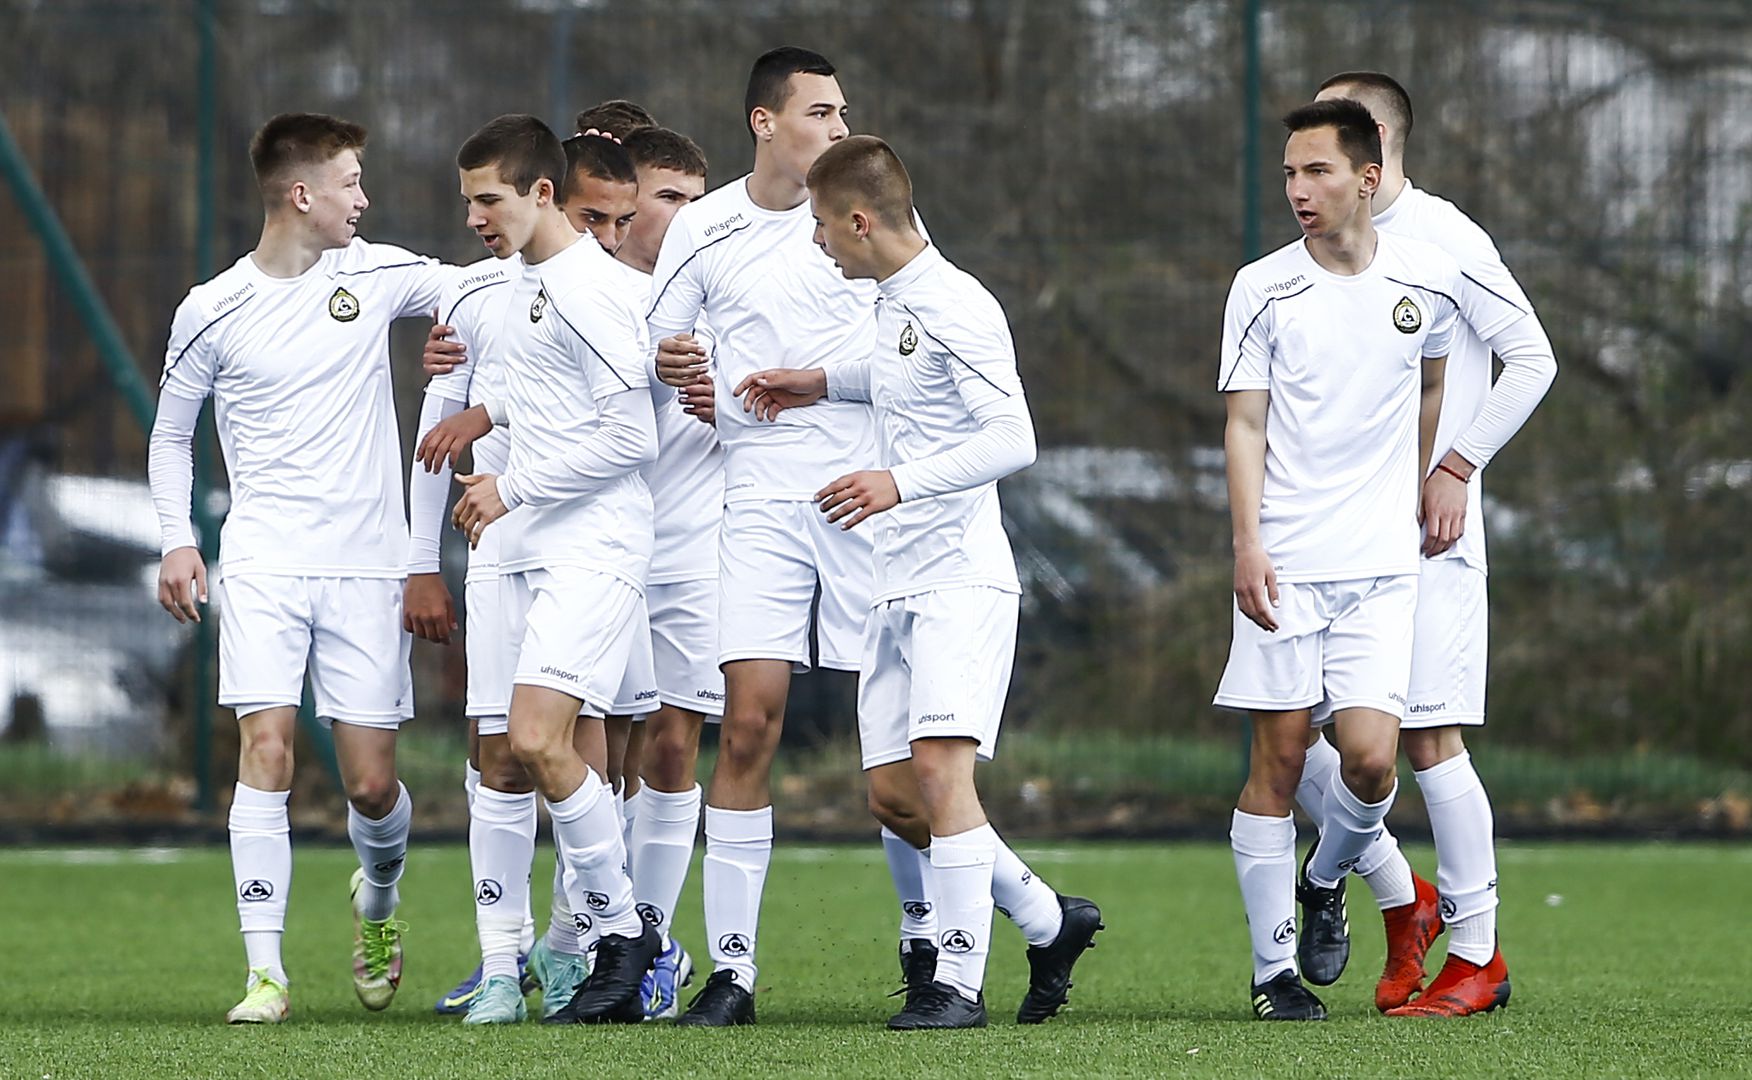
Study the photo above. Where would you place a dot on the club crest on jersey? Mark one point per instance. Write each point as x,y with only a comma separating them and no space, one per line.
1407,319
909,340
539,307
343,306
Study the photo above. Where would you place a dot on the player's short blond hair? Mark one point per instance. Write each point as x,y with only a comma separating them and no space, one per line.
291,142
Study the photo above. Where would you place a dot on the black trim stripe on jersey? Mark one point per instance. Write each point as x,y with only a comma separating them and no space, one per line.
168,368
659,298
1427,289
385,266
1493,292
471,292
555,308
915,317
1251,323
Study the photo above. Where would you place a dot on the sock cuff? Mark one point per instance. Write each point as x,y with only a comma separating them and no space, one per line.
1262,837
740,826
975,847
245,797
578,803
673,806
471,776
1356,807
1447,780
389,824
492,804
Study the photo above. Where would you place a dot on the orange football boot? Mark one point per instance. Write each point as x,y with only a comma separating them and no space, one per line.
1462,989
1411,930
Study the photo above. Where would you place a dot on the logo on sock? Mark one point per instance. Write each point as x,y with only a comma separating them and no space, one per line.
651,913
255,889
1286,932
487,891
1347,865
957,941
596,901
1027,876
733,945
581,922
390,866
1449,909
915,909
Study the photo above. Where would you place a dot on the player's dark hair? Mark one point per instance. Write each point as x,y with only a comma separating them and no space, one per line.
864,170
617,116
524,149
595,157
769,83
291,141
1358,136
1383,96
661,148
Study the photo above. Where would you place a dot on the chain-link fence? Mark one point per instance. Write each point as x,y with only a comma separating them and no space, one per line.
1104,165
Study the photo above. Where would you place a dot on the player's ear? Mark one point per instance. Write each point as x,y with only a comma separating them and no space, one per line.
299,196
861,224
544,191
760,121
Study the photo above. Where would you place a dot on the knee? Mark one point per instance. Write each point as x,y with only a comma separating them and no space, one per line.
896,811
746,740
1369,773
1279,769
373,794
267,755
505,773
669,762
531,745
1427,749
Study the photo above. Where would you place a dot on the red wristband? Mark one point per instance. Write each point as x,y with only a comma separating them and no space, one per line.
1450,472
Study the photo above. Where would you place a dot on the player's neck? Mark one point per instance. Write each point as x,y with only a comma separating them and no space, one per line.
1346,253
553,235
894,253
1392,187
286,249
638,260
771,189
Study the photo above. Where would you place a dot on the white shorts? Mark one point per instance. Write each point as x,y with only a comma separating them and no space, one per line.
771,557
936,665
574,630
1339,645
684,645
637,695
347,632
1450,647
491,655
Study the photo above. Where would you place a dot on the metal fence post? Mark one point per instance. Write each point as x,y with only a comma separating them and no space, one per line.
206,527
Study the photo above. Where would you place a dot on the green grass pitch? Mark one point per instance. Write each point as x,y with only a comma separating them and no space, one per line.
1628,960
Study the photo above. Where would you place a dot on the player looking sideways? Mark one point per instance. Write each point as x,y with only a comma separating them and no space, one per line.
292,344
1450,644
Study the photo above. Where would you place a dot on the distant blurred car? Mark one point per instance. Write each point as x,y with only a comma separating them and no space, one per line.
88,659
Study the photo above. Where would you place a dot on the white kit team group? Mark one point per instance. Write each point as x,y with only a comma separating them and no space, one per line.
705,428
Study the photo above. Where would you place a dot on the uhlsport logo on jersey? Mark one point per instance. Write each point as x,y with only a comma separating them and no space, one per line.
909,340
1407,319
344,306
255,889
539,307
957,941
487,891
733,945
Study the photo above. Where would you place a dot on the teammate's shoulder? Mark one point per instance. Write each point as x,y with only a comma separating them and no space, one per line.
958,294
1281,273
724,210
1443,223
1420,258
364,257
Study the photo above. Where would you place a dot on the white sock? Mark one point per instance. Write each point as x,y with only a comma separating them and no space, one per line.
1265,865
587,830
501,847
961,871
663,839
564,933
1347,830
471,782
906,868
1466,873
629,808
382,846
261,870
739,847
1029,901
1319,773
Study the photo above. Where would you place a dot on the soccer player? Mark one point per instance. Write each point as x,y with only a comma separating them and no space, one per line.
942,634
292,344
1332,360
1450,644
573,571
687,484
742,258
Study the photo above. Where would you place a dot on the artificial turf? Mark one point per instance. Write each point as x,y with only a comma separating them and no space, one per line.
1627,960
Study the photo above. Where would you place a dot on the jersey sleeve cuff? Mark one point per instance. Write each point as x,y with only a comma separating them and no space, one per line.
171,539
508,492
